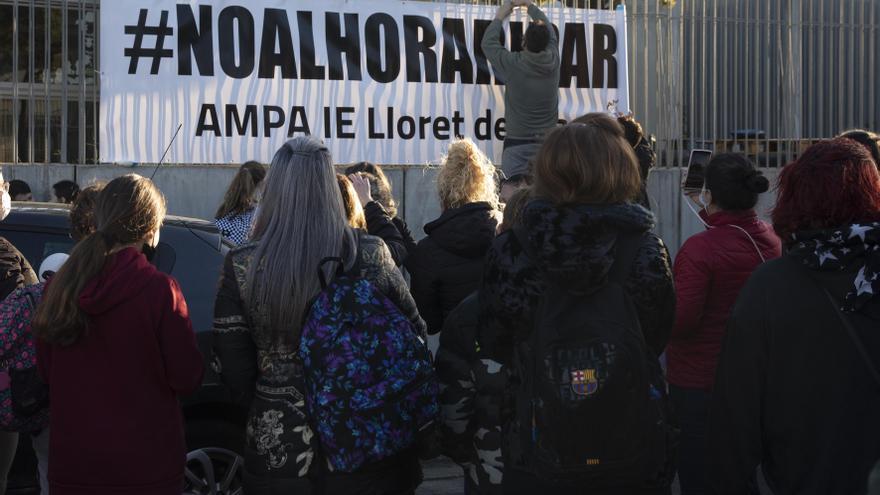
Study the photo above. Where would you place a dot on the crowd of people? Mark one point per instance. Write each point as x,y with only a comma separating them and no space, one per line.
575,355
568,337
63,192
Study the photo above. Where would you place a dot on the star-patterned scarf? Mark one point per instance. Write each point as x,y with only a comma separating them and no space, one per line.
841,248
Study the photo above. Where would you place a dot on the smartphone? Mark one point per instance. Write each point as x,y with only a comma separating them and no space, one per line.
696,171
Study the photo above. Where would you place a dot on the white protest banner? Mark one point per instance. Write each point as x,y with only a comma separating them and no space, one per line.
379,80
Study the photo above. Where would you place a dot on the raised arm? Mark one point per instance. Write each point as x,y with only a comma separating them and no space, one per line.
500,58
538,16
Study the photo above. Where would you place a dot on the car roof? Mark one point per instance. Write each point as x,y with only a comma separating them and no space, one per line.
57,215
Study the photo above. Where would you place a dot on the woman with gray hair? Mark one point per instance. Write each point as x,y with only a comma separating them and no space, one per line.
266,290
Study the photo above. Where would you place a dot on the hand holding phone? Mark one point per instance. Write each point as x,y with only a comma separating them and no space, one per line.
695,176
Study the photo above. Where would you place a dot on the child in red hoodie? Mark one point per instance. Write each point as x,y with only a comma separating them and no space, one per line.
117,348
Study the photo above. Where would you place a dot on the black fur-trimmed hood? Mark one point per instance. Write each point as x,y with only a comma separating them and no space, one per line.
574,246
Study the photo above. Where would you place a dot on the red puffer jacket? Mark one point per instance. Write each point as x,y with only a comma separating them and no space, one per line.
709,272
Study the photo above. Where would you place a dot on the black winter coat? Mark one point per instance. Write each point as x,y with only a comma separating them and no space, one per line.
471,394
393,231
574,247
445,266
792,393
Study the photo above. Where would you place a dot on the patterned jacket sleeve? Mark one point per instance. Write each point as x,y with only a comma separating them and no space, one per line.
509,288
457,386
15,271
652,290
235,353
378,267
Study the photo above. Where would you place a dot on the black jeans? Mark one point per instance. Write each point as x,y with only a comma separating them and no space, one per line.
692,408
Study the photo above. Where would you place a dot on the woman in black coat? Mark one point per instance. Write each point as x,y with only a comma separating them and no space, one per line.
445,266
570,237
795,392
380,210
258,317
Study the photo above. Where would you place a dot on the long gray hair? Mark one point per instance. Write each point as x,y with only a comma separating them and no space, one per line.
300,221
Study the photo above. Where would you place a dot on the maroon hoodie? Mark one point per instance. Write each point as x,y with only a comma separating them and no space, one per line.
115,422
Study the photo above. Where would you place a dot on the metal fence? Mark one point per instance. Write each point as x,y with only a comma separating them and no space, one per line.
762,77
48,81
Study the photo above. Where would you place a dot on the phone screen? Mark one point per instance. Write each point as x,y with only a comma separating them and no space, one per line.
696,171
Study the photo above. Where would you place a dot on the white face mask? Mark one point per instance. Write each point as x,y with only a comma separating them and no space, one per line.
702,198
5,205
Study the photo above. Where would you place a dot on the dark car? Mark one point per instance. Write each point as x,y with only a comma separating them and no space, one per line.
191,251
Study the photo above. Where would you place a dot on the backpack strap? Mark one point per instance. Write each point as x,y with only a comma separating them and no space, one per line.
340,270
847,324
626,249
854,336
355,268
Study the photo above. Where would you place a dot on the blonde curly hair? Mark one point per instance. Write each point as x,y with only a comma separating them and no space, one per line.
466,176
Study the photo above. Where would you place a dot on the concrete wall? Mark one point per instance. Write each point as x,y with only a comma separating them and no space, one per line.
197,190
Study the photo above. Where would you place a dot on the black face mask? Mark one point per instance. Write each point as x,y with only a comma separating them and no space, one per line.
149,252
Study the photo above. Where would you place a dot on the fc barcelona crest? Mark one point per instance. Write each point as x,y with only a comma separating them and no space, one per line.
583,382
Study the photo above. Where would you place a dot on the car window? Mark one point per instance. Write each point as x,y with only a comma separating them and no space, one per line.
36,246
165,257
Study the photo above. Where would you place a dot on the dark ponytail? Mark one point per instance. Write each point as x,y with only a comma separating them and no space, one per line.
242,192
128,210
734,181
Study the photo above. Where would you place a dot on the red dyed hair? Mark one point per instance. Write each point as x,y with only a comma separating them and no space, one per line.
834,183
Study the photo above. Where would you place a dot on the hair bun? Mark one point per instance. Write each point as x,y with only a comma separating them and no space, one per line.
758,183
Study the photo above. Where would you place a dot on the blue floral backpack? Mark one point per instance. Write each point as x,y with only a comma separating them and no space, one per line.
24,398
370,385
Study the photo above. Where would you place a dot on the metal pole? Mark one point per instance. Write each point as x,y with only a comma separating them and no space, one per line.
81,97
841,58
96,62
47,77
30,81
16,105
65,56
715,84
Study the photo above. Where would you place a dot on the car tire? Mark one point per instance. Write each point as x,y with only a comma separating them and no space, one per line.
214,464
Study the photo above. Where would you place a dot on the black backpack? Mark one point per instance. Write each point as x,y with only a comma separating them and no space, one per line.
590,406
